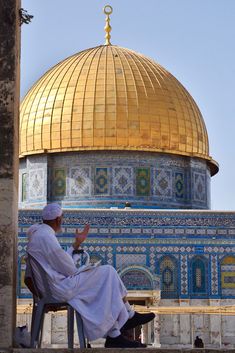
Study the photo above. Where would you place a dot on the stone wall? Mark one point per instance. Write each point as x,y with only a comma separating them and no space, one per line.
127,350
181,329
9,107
176,330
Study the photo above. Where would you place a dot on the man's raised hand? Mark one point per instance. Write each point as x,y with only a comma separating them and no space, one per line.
80,237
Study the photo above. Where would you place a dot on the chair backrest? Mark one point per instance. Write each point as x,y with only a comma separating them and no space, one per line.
32,263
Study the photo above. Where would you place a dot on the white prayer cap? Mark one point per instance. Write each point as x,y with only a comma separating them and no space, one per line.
51,212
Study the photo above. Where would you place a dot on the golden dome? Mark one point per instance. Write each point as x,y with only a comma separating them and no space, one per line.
111,98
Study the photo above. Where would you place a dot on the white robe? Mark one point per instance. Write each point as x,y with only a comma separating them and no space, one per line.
95,293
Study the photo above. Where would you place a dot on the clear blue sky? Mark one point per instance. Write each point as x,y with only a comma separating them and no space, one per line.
193,39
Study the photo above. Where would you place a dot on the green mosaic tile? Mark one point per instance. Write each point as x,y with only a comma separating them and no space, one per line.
143,181
59,182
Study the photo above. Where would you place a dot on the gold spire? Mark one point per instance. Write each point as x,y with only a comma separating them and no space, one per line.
107,10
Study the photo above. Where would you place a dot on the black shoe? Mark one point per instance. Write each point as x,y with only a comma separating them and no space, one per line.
138,319
122,342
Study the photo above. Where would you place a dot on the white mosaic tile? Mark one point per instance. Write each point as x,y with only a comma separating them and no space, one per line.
124,260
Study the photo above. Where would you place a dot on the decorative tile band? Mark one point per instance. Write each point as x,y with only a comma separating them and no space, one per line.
109,179
176,246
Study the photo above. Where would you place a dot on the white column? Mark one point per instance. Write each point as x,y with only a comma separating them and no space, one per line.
156,321
150,325
144,334
215,326
185,329
156,330
185,325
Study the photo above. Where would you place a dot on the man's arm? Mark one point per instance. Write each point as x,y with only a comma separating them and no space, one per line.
80,237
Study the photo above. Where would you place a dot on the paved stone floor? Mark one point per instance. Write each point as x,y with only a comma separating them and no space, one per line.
102,350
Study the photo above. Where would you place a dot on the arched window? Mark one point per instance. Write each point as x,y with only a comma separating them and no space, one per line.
168,277
136,278
199,270
228,276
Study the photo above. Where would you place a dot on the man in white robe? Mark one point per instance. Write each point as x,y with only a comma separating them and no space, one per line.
97,293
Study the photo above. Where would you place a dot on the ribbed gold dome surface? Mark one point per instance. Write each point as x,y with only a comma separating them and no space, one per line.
111,98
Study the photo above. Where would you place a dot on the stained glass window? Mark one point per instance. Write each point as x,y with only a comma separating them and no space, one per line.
168,275
137,279
199,268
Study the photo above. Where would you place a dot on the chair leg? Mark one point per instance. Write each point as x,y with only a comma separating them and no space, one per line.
70,326
80,331
41,331
33,316
36,326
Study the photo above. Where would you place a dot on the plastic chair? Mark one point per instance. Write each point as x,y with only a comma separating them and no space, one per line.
45,303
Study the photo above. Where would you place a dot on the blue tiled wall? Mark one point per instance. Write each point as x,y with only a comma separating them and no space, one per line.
191,252
109,179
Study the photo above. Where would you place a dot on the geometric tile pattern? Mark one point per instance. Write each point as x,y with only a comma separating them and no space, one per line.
152,239
228,276
123,181
124,260
157,181
162,186
214,275
199,190
59,182
152,257
36,181
80,181
110,256
101,251
101,181
163,183
143,181
179,185
184,274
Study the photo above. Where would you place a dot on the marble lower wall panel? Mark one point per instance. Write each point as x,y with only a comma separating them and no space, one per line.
175,330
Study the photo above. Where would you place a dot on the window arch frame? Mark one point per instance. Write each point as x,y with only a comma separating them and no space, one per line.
146,271
176,279
204,293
